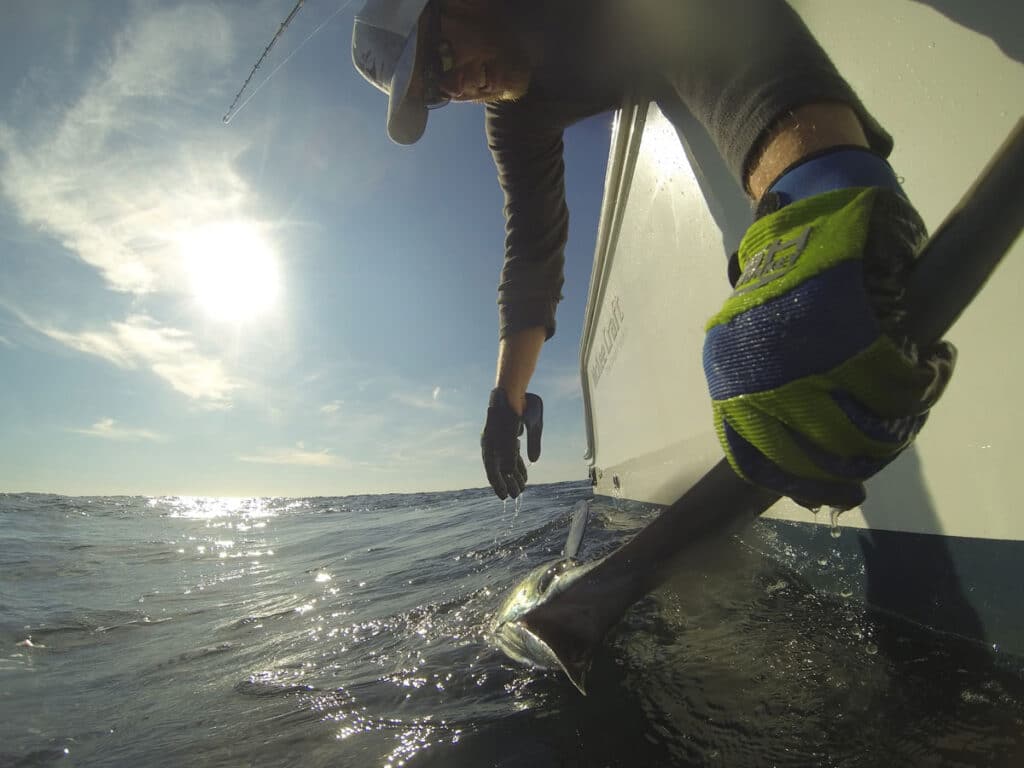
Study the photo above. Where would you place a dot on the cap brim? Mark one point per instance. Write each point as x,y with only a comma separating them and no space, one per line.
407,115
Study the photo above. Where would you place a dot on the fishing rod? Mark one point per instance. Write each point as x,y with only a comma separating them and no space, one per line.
951,269
232,111
266,51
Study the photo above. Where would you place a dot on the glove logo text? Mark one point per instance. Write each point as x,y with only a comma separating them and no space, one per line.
772,263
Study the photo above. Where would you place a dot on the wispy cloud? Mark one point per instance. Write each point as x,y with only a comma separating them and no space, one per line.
128,168
298,456
139,342
426,446
108,429
125,170
5,342
560,384
422,401
332,407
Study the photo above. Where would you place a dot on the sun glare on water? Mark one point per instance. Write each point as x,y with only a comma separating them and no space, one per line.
232,269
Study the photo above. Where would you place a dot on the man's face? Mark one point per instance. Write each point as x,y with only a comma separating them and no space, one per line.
490,62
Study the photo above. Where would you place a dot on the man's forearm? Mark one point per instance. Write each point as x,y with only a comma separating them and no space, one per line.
517,358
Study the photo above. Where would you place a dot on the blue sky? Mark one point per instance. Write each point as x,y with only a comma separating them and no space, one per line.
285,305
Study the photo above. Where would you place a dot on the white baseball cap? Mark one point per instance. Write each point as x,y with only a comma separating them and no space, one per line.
384,37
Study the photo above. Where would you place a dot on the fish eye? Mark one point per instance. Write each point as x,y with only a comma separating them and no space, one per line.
556,569
548,577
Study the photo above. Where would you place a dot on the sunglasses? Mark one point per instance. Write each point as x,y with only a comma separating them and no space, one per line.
439,59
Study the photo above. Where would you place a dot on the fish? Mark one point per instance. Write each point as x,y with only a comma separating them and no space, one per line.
558,616
512,635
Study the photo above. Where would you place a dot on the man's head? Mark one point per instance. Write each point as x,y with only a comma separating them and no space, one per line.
425,53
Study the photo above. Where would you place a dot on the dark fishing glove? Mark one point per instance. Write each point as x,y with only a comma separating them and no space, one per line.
499,442
814,386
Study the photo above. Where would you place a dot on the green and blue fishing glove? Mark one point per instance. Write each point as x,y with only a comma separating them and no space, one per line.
814,385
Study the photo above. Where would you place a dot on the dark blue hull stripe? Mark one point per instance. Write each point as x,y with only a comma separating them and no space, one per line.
965,586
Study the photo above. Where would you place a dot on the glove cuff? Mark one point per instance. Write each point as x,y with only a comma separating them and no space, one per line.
830,170
499,405
498,399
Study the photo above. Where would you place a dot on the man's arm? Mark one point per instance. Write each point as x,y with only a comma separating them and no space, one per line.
525,139
517,359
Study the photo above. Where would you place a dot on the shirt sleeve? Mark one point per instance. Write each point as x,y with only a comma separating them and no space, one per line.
526,142
740,65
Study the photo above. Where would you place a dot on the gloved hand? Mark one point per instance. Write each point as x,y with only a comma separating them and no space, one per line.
814,386
499,442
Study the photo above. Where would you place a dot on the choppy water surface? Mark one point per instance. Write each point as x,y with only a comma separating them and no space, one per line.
350,632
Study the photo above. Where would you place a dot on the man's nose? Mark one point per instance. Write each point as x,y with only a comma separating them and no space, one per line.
452,83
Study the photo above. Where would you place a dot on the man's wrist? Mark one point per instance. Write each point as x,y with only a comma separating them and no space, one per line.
805,131
515,396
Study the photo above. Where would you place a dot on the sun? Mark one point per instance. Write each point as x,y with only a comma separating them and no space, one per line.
232,269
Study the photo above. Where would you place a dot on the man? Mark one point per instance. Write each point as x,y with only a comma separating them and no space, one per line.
814,385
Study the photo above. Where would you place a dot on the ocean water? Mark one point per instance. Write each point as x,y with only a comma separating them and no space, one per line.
353,632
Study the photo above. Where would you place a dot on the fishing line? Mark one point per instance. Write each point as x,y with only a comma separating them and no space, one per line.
232,111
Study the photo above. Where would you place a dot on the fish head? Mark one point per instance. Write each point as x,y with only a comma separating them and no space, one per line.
512,636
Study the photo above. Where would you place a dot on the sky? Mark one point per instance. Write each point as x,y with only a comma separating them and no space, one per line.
287,304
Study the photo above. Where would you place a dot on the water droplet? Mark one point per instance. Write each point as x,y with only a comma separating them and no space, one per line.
870,649
815,510
834,516
847,592
822,561
515,512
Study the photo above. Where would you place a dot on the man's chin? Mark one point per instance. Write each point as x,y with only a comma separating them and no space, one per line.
502,96
512,91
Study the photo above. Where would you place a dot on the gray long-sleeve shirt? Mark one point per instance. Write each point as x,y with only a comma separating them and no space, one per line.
737,65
